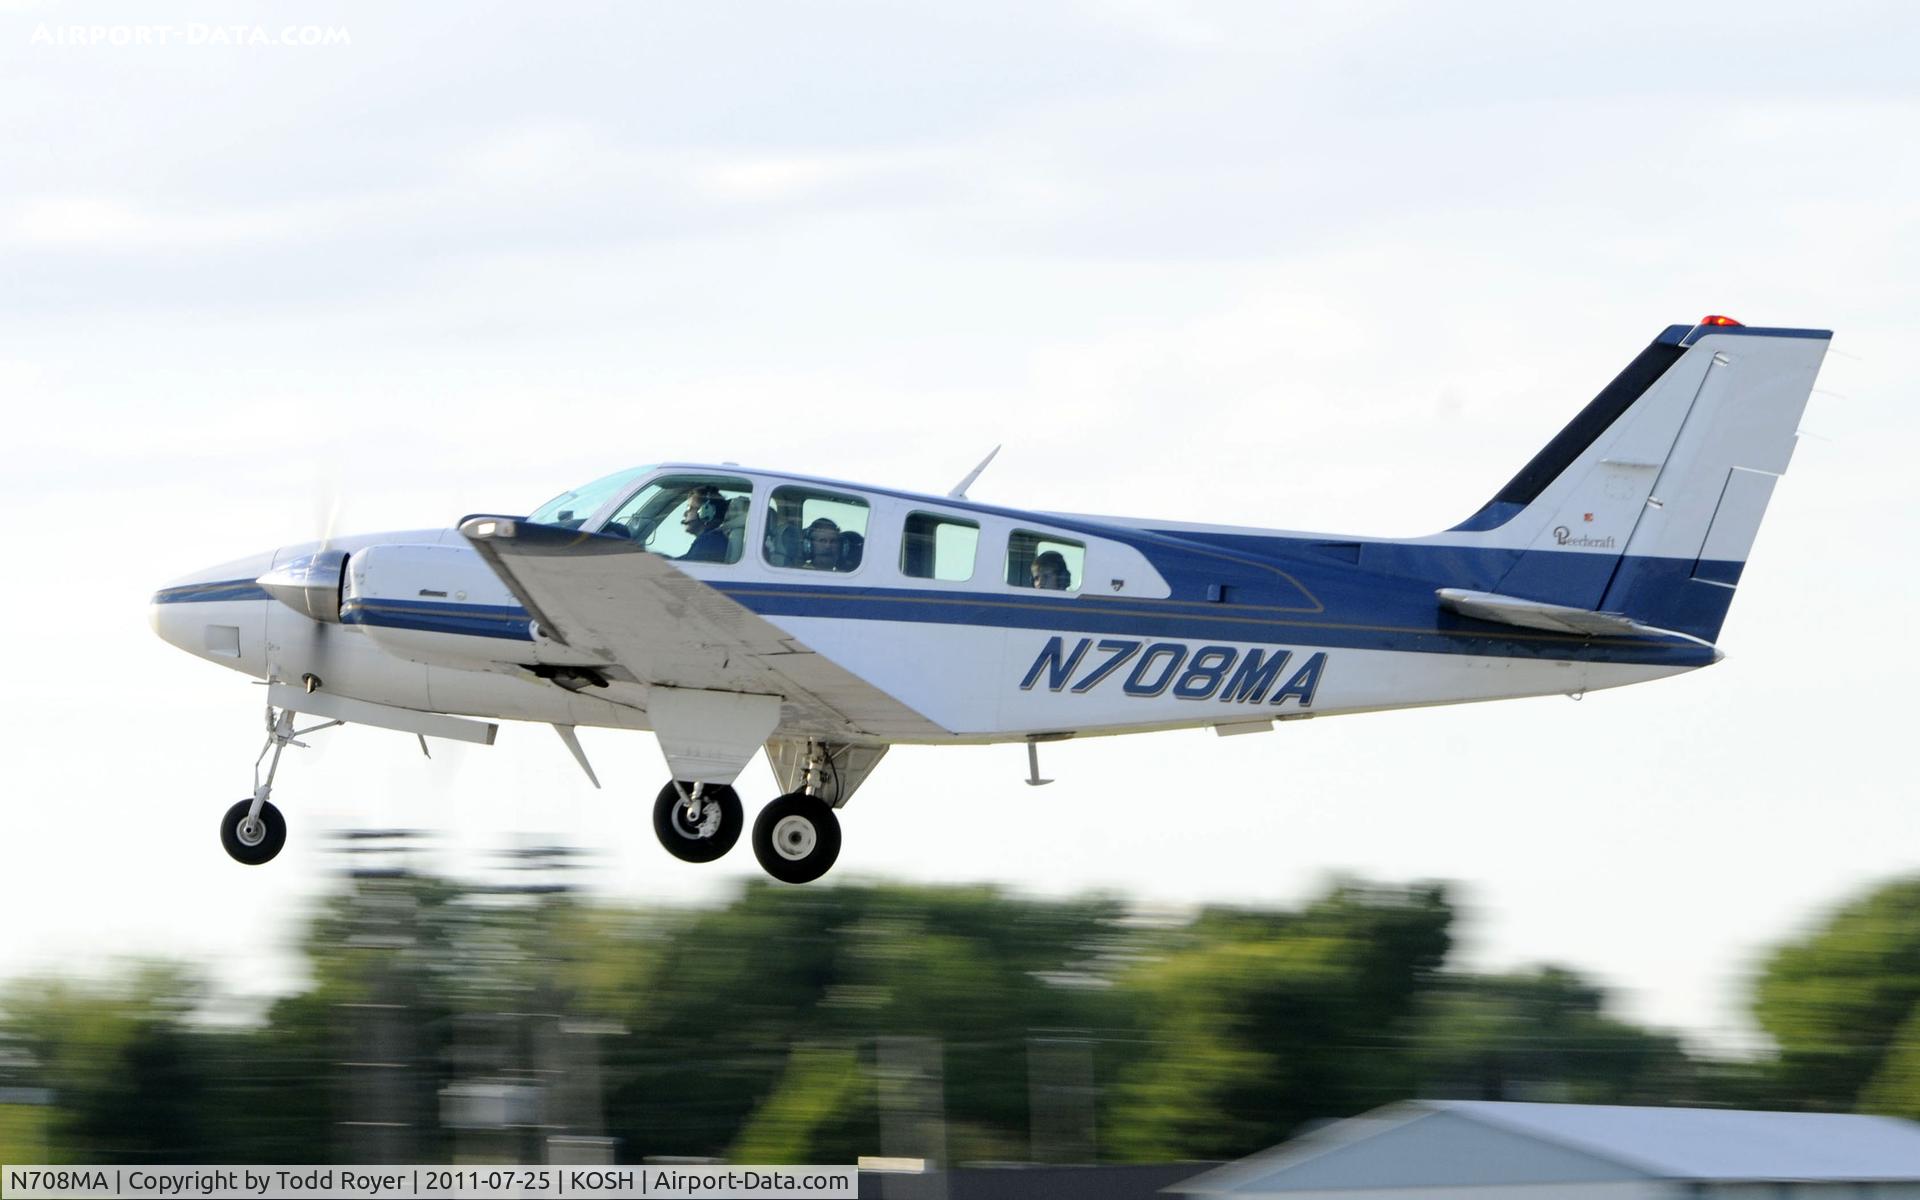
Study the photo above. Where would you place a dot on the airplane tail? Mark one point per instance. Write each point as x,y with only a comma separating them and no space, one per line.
1645,506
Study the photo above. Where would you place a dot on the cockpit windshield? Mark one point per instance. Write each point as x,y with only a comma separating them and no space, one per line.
570,510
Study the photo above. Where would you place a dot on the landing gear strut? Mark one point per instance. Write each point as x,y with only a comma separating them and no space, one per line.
697,822
253,831
797,837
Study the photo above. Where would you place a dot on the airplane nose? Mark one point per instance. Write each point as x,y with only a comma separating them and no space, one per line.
217,614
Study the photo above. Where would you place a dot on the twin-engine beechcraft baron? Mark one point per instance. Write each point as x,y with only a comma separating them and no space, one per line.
731,610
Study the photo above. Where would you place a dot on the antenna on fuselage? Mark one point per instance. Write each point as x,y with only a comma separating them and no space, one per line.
959,491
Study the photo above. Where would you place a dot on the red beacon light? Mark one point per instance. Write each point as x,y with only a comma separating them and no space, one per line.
1718,321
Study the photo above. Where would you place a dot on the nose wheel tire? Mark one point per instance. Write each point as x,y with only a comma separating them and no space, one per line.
707,838
796,838
253,840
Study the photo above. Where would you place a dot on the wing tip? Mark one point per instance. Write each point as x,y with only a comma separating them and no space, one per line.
484,527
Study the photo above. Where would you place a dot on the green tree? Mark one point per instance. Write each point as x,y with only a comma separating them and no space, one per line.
129,1074
755,1023
1256,1022
749,1030
1540,1035
1843,1005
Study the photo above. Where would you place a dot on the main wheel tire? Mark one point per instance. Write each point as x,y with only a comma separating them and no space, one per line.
253,842
796,838
721,820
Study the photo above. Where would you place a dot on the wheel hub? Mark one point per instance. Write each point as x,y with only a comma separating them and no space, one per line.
250,832
704,826
794,838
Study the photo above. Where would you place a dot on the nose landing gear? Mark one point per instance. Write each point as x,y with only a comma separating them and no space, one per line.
253,831
253,839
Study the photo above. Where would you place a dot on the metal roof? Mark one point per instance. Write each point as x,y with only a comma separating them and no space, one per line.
1716,1143
1430,1143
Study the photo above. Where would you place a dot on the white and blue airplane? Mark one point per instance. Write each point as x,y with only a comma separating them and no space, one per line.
732,611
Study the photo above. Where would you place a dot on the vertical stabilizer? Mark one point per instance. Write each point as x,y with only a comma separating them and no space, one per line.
1648,503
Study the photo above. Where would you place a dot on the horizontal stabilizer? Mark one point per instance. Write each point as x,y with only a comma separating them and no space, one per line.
1555,618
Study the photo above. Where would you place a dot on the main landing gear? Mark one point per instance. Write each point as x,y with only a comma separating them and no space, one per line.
697,822
796,836
253,831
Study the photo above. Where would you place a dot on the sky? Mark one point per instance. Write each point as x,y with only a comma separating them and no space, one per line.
1319,266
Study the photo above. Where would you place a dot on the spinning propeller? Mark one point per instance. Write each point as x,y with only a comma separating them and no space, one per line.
311,583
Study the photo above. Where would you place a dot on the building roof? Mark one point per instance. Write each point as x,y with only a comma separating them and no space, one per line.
1432,1143
1720,1143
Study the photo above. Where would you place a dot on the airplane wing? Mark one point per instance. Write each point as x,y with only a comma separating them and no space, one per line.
1538,614
639,612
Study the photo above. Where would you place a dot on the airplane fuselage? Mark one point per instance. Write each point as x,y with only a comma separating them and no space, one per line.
1171,626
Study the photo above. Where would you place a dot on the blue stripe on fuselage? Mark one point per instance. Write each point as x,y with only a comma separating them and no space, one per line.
1352,606
1432,631
1666,593
508,621
201,593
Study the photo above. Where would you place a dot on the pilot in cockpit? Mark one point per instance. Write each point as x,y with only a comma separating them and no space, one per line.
706,510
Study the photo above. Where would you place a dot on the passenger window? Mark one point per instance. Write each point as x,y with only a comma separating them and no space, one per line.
692,518
815,531
935,547
1052,564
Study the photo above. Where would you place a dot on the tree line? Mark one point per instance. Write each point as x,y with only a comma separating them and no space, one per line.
444,1021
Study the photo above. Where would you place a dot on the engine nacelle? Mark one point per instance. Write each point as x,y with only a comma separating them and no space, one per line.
442,605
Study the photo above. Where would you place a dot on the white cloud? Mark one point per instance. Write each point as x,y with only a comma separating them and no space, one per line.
105,223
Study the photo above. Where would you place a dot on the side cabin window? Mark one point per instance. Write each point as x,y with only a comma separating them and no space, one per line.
692,518
1039,560
813,530
937,547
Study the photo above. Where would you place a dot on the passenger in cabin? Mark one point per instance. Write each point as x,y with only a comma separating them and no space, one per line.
706,510
852,547
783,535
733,526
1050,571
822,545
